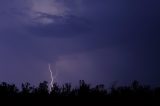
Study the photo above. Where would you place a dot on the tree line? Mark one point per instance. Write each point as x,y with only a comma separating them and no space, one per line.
135,90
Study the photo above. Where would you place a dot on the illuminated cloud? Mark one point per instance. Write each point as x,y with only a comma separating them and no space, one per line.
48,7
52,7
43,11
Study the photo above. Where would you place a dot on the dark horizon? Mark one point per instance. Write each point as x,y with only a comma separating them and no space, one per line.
99,41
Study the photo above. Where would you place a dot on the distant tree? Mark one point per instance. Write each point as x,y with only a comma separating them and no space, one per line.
66,89
84,89
42,89
8,90
140,90
26,89
56,90
99,90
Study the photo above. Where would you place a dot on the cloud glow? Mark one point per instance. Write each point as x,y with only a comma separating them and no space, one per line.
47,7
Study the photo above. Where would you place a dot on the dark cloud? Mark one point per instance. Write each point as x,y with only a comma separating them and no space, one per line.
67,26
96,40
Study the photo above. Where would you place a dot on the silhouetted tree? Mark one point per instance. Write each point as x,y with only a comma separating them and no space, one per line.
8,90
84,89
42,89
140,91
26,89
56,90
66,89
99,90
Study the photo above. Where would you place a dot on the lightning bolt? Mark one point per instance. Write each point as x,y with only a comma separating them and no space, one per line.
52,79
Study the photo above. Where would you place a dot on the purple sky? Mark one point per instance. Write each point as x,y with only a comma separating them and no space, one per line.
100,41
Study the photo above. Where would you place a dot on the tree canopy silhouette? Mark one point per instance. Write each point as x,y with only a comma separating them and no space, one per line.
135,91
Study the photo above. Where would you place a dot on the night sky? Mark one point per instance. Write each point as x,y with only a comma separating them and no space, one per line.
99,41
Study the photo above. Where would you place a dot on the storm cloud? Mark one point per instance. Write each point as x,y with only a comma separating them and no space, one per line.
100,41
